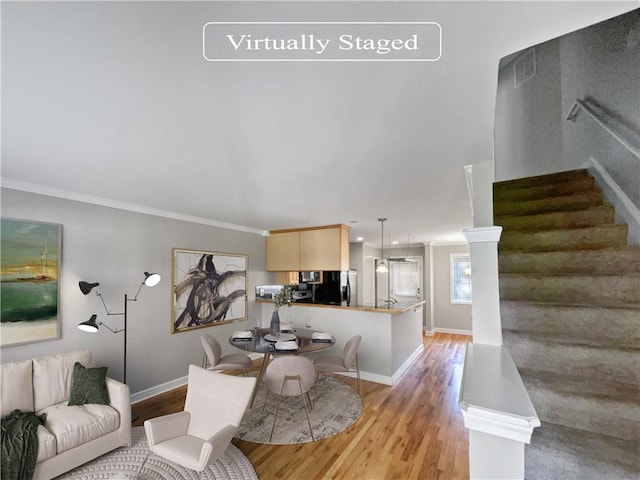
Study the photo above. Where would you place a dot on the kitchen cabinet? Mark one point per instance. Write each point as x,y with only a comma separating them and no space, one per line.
283,251
309,249
287,278
324,249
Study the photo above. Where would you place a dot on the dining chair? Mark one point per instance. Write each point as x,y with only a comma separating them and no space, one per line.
290,376
196,437
213,359
332,363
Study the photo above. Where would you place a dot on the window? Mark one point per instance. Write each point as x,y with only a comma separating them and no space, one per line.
406,277
460,278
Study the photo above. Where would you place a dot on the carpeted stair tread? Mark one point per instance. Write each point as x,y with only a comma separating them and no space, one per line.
561,338
532,192
599,215
620,326
548,354
578,385
577,201
605,261
604,406
562,453
545,179
571,289
591,238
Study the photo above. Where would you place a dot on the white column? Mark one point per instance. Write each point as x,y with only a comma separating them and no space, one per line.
486,323
497,411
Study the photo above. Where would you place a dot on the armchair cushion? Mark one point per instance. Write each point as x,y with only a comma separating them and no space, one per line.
193,452
185,450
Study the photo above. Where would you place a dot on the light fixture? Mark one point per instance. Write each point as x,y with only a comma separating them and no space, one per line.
86,287
90,325
382,266
93,325
151,279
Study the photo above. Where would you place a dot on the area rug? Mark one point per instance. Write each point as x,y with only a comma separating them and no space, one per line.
125,462
336,406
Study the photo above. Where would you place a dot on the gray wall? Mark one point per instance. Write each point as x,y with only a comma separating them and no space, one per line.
447,315
532,135
528,131
114,247
603,63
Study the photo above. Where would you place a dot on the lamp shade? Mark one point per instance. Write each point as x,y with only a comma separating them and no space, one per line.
151,279
86,287
90,325
382,267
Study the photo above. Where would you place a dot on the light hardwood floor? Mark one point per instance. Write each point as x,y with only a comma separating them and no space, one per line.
413,430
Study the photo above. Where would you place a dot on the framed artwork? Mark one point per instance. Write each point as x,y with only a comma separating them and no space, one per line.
29,272
208,288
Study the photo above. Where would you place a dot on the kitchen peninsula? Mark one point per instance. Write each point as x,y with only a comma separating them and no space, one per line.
391,336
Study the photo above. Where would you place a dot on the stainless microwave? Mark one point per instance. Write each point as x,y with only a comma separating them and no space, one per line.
309,277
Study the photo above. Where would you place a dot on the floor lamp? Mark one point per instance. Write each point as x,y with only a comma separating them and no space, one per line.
92,325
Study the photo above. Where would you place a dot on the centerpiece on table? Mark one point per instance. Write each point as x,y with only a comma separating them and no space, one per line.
280,299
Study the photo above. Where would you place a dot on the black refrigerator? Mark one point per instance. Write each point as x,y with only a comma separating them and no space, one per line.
337,288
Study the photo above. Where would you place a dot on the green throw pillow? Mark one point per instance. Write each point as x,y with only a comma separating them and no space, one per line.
88,385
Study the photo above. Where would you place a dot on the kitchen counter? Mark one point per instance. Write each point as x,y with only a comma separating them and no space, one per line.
399,307
391,336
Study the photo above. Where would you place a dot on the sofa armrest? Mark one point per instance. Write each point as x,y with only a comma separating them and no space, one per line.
168,426
120,399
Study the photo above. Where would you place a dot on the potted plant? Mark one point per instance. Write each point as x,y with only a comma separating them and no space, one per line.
280,299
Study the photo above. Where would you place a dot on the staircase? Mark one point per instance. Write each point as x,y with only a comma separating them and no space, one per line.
570,307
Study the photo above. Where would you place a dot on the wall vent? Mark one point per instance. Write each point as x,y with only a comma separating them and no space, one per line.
524,67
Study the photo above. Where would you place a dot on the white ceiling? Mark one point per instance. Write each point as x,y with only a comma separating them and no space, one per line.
112,102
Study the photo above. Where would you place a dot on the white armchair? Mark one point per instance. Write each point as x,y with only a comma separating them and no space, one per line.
196,437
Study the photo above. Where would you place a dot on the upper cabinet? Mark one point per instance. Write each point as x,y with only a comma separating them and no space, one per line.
283,251
324,249
309,249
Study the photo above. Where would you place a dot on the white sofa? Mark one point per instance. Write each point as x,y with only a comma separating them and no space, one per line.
72,435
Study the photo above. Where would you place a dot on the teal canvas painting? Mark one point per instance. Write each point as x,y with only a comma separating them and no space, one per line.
29,273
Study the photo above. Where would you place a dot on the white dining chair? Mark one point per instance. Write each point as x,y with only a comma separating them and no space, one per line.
289,376
214,360
331,363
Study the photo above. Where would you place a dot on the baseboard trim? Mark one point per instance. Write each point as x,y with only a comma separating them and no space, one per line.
453,331
368,376
158,389
386,379
170,385
405,366
624,207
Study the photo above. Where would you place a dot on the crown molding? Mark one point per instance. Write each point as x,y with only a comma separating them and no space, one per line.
13,184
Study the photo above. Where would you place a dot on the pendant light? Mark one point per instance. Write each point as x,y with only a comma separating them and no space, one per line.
382,266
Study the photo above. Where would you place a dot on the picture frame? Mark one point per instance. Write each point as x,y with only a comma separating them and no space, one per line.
30,256
208,289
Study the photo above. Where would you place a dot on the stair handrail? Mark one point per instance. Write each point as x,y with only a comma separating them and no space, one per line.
624,134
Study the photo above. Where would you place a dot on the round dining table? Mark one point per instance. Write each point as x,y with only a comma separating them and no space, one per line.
262,341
